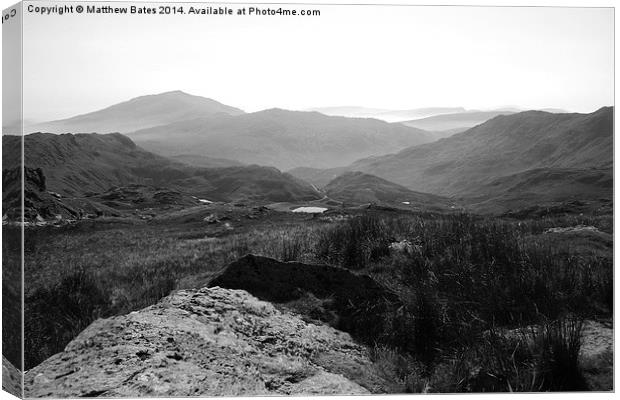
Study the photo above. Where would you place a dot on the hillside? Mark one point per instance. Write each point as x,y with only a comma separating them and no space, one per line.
543,186
86,164
253,182
460,165
281,138
139,113
81,163
196,160
38,201
359,188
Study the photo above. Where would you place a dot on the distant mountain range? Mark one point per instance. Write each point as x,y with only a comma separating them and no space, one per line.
386,115
139,113
428,118
200,146
281,138
522,155
176,124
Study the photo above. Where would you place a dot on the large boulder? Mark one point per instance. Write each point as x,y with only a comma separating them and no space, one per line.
206,342
361,306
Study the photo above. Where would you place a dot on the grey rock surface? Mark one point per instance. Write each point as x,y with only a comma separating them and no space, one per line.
206,342
11,378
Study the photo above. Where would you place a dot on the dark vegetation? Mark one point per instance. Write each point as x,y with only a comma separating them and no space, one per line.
489,304
463,277
11,296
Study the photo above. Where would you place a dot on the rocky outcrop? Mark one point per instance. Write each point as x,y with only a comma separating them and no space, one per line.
206,342
11,378
597,354
38,202
359,305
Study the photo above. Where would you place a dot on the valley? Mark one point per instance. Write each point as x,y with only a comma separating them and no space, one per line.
480,261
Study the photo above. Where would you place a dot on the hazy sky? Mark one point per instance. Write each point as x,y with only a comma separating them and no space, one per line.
385,57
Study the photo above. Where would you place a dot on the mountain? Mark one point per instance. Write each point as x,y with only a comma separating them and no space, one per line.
360,188
76,164
387,115
455,122
139,113
509,161
468,162
86,164
281,138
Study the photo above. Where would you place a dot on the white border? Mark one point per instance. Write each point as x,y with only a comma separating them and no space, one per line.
535,3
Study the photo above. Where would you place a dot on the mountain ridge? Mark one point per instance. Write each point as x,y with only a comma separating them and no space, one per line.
139,113
77,165
501,146
281,138
466,165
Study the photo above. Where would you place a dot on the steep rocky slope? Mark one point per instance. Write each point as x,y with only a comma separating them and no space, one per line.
207,342
505,145
502,146
75,165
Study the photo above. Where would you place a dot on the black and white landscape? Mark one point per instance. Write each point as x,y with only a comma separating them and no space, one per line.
178,244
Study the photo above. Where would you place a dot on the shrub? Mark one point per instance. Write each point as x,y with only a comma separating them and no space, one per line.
556,346
541,358
354,243
401,371
56,315
11,295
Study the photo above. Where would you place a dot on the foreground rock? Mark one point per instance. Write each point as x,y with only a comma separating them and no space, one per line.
207,342
11,378
597,354
350,302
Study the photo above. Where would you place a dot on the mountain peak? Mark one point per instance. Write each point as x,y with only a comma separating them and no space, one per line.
141,113
176,92
172,94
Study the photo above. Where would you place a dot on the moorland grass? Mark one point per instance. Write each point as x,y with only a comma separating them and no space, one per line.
462,277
